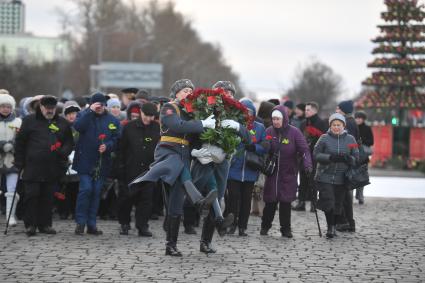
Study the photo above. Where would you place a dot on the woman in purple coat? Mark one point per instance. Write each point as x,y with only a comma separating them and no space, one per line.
289,144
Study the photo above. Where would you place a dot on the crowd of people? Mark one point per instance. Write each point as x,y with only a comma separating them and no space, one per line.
102,155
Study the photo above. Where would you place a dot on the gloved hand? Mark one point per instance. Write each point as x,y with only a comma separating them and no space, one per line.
250,147
230,124
209,122
203,152
8,147
338,157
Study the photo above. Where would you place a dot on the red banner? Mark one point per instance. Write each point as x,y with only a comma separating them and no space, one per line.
417,143
383,143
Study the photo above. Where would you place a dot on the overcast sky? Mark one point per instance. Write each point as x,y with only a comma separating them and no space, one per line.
265,40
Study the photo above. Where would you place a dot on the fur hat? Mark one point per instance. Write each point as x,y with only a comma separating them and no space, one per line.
179,85
7,99
226,85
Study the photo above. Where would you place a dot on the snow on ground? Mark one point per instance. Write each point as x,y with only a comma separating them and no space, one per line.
397,187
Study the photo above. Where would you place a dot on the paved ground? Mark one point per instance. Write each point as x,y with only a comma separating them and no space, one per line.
388,247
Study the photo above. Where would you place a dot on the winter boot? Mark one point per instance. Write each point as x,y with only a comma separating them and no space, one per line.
352,225
195,197
286,232
207,235
173,224
221,223
10,208
331,233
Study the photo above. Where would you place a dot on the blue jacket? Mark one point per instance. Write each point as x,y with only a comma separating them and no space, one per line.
90,126
238,170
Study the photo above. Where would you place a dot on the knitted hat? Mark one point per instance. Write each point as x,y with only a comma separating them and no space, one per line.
113,102
346,106
149,109
7,99
98,97
289,104
249,104
337,116
226,85
179,85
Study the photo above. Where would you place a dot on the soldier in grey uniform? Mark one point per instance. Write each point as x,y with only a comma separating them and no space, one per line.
208,175
172,160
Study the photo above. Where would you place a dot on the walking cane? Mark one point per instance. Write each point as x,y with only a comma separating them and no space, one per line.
313,203
11,207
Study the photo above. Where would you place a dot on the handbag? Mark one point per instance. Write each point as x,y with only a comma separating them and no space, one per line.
270,163
357,177
254,161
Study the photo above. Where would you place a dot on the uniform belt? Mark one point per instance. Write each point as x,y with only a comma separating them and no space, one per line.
174,140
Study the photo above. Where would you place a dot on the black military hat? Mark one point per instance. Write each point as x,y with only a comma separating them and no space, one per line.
49,101
130,90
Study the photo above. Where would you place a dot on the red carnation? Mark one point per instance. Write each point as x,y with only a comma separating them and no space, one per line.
102,137
59,196
55,146
353,145
269,137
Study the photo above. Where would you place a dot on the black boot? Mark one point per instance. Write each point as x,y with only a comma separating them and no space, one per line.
207,235
124,229
31,231
144,231
172,235
221,223
286,232
47,230
300,206
195,197
188,229
352,226
331,233
79,229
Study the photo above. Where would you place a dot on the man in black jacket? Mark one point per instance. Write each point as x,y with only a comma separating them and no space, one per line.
42,148
312,127
137,147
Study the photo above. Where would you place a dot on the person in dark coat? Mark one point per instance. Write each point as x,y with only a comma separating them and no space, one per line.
346,223
288,143
98,134
366,141
137,146
172,161
42,148
313,127
242,178
335,151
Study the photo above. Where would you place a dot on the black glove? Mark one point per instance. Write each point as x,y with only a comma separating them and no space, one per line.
250,147
337,158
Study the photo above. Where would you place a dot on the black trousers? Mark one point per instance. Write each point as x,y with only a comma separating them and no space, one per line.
304,192
284,215
239,201
38,201
347,213
67,206
157,200
142,200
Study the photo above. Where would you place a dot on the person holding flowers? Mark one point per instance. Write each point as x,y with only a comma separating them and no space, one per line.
172,160
42,146
98,134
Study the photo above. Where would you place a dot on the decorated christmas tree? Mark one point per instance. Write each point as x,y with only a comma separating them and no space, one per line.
398,82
